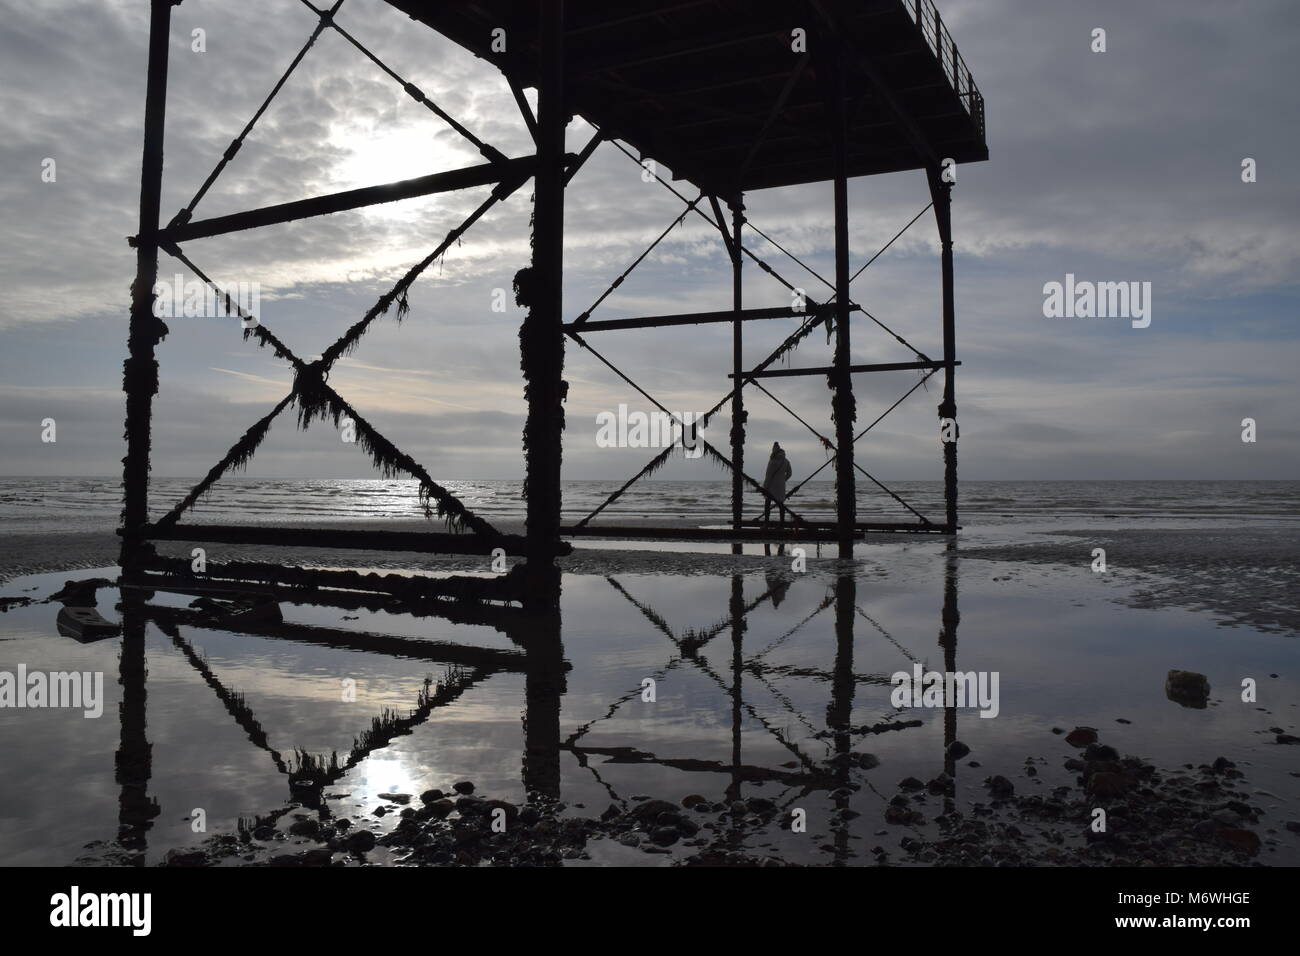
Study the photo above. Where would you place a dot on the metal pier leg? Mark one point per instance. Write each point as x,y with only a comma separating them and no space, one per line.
842,402
542,335
737,397
140,370
941,193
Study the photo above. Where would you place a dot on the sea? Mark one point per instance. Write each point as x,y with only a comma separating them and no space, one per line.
76,504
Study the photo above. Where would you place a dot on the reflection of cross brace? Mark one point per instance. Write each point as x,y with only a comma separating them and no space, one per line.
383,731
812,775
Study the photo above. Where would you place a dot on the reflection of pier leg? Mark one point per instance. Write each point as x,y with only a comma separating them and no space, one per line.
543,687
134,758
840,711
737,613
948,641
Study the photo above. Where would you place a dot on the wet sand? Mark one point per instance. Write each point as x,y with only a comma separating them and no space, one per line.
1242,575
1223,806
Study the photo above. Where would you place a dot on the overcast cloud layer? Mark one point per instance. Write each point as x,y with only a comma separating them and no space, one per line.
1117,166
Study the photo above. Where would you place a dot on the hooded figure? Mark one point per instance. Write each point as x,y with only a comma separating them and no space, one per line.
778,472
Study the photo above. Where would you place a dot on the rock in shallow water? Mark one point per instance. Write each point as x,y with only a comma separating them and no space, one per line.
1081,736
1187,688
1000,786
664,836
360,842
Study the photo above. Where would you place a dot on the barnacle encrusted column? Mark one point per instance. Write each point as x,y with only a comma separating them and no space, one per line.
140,370
737,370
843,405
541,337
941,193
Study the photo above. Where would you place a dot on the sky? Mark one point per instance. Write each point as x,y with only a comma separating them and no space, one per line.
1123,165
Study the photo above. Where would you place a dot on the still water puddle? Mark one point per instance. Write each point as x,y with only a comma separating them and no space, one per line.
764,685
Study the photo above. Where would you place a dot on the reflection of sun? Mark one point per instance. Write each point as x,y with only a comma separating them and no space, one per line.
388,774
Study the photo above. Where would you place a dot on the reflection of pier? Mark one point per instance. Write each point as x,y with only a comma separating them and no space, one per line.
540,658
832,773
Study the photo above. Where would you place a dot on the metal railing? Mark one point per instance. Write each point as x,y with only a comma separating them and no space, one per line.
940,41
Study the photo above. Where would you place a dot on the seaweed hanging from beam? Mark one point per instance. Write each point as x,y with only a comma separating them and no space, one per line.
315,399
237,457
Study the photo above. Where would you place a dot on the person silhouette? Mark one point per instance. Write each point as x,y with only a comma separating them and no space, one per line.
778,472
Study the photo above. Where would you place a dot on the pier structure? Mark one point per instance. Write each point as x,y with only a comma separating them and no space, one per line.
726,97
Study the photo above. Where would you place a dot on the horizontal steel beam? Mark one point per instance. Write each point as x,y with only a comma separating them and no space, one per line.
827,369
687,318
449,181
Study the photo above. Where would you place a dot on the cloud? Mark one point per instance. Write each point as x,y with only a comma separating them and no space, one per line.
1115,166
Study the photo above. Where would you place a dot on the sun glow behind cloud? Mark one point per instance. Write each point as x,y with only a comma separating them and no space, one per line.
387,153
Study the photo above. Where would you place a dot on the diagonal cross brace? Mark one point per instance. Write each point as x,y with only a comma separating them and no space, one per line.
712,451
324,20
826,442
312,378
791,342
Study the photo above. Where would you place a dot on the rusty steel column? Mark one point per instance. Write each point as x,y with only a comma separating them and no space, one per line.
542,334
140,370
737,368
842,402
941,193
